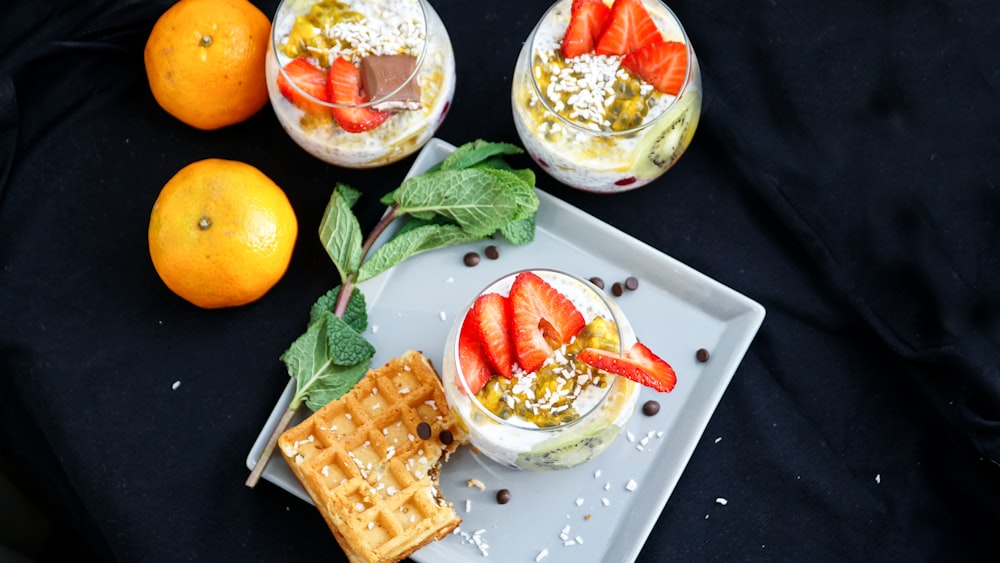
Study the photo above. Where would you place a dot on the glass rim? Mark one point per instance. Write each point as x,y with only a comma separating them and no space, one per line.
613,379
281,68
577,127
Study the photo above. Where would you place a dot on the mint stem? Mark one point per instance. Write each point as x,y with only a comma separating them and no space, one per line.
348,286
265,456
346,289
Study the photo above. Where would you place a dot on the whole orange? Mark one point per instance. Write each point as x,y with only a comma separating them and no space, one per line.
221,233
205,61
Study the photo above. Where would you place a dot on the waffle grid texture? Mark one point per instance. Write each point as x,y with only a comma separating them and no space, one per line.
362,461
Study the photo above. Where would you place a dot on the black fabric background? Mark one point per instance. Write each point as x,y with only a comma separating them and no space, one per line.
844,175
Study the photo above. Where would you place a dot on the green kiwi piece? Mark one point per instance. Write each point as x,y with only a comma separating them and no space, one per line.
666,140
570,453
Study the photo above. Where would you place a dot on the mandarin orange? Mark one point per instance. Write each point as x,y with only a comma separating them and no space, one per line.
221,233
205,61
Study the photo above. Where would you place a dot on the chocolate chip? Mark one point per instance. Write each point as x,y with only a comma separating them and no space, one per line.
503,496
631,283
424,430
471,259
492,252
446,437
701,355
617,289
597,281
650,408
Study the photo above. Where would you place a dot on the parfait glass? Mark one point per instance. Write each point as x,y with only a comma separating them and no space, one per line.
495,418
592,124
319,32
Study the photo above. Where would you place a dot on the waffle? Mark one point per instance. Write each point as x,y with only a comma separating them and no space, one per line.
366,468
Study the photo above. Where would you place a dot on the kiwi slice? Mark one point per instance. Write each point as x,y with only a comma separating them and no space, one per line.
666,140
569,453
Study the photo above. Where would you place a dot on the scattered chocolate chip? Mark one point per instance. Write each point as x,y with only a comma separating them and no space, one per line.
446,437
492,252
597,281
631,283
471,259
617,289
503,496
424,430
650,408
701,355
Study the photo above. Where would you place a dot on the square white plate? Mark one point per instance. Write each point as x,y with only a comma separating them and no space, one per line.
604,509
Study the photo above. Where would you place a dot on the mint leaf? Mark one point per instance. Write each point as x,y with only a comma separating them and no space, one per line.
345,345
493,162
477,151
338,386
521,184
356,314
520,231
311,362
340,232
421,238
474,199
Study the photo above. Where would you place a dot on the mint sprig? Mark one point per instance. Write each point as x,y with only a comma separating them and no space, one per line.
471,195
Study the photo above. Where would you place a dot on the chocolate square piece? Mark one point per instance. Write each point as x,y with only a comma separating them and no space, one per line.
381,74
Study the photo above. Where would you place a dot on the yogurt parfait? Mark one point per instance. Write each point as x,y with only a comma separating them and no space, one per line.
534,371
360,83
606,94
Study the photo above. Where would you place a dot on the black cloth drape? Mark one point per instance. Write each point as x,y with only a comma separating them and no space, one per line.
844,175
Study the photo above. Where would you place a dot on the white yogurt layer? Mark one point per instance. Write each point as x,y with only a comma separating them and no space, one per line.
389,27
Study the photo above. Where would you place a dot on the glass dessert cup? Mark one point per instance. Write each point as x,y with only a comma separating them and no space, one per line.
353,29
578,147
598,413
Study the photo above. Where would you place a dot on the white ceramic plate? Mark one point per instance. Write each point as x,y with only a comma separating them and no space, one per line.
604,509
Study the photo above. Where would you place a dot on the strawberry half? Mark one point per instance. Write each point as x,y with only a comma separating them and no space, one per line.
639,364
475,367
630,28
540,315
492,318
588,18
344,88
309,79
662,63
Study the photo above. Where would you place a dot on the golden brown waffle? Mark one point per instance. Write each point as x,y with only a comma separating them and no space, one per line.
364,464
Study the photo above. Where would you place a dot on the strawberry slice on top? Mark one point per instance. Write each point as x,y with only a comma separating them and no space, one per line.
542,319
475,368
344,88
492,318
662,63
310,80
640,364
588,18
630,28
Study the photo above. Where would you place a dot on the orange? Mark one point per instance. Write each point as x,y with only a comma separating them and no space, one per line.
205,61
221,233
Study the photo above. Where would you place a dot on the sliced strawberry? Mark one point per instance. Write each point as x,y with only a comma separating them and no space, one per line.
311,81
344,88
588,18
540,315
630,28
492,316
662,63
475,367
639,364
